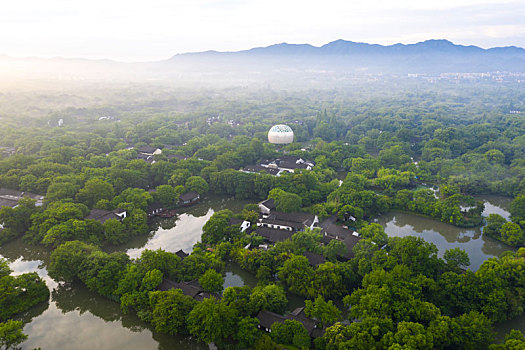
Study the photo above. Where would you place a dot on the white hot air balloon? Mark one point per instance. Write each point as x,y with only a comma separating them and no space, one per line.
280,135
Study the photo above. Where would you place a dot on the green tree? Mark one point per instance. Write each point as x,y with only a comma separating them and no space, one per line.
217,228
212,281
271,297
66,259
409,335
291,332
513,341
212,321
11,334
512,234
334,249
166,195
95,190
179,177
517,209
114,231
375,232
285,201
457,259
197,184
169,311
297,274
324,312
495,156
19,293
493,227
247,333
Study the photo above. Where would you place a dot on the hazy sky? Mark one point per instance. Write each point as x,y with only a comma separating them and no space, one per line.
132,30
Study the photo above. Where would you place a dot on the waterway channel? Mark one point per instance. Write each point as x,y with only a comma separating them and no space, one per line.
446,236
77,318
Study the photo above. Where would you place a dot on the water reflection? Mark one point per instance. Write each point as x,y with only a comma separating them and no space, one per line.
182,231
183,235
76,318
445,236
496,205
237,277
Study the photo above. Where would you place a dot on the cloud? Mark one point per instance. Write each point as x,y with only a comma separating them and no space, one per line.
132,30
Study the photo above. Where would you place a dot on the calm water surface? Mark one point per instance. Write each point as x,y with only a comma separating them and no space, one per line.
76,318
445,236
184,230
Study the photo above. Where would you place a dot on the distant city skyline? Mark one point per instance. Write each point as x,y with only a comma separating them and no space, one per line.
158,29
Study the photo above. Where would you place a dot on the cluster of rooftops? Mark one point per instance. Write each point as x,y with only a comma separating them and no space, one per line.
10,198
266,318
284,163
275,227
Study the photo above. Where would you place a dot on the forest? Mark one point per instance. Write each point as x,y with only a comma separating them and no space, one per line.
426,149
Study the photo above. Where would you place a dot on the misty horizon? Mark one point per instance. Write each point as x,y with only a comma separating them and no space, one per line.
140,31
213,50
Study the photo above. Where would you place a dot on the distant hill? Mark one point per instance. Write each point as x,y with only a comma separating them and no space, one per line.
299,64
431,56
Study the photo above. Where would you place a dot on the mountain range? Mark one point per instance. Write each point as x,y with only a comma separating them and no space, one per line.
431,56
344,47
283,62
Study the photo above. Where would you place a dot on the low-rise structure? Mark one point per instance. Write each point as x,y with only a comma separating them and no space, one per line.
7,151
289,221
267,206
102,216
181,254
277,227
189,198
149,151
330,231
155,209
277,166
255,169
314,259
289,163
10,198
267,319
244,225
192,289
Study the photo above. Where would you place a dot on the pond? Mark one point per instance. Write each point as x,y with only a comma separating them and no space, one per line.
183,230
76,318
237,277
445,236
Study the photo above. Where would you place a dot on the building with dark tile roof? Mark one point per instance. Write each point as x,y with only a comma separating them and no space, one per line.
267,318
299,315
104,215
288,221
189,198
314,259
330,230
259,168
273,235
10,198
192,289
181,254
267,206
